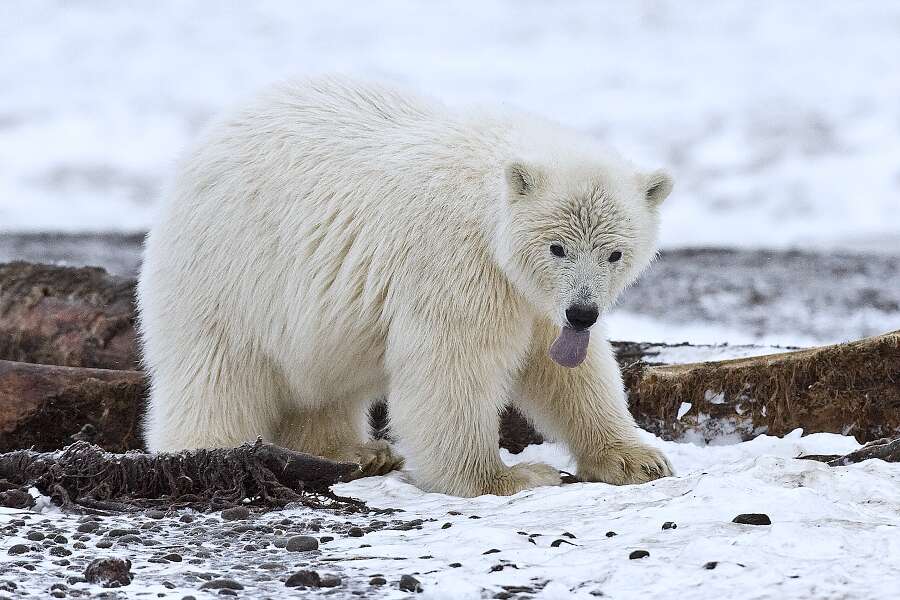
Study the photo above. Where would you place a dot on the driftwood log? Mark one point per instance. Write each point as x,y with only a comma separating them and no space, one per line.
83,475
852,389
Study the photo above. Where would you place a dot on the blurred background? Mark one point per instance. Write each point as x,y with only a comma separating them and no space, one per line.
780,122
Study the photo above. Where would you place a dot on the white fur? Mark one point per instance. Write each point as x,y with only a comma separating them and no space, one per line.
335,242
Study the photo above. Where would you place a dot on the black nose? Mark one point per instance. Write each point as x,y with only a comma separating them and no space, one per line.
582,316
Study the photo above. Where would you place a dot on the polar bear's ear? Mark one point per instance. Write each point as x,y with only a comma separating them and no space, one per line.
657,187
523,180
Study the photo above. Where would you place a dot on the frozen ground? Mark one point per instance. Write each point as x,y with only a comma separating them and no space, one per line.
834,534
779,120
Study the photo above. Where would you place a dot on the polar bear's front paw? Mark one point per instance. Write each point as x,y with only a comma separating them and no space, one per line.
625,464
376,457
522,476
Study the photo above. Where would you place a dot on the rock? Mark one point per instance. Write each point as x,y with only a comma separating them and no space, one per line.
16,498
377,581
172,557
752,519
18,549
237,513
304,578
638,554
491,551
35,536
611,534
89,527
109,572
302,543
221,584
330,580
556,543
355,532
670,525
155,514
455,565
408,583
711,565
60,551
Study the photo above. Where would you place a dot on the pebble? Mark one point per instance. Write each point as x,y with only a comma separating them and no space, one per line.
60,551
221,584
556,543
377,581
638,554
711,565
237,513
446,525
18,549
670,525
172,557
280,542
109,572
408,583
330,580
302,543
104,544
611,534
455,565
355,532
326,538
752,519
156,514
304,578
35,536
89,527
491,551
130,539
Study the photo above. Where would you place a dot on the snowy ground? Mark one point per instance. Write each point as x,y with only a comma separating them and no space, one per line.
779,120
834,534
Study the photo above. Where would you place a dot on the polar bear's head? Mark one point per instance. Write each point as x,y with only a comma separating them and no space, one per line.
574,236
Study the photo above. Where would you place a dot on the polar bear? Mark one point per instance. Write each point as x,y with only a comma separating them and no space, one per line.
334,242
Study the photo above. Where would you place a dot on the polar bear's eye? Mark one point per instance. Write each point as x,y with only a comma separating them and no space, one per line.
615,256
557,250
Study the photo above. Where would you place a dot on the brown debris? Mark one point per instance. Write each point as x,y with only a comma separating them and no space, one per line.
84,476
65,316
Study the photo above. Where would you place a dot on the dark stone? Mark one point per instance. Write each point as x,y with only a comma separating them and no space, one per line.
568,535
491,551
329,581
752,519
221,584
304,578
302,543
121,532
638,554
611,534
408,583
89,527
172,557
455,565
35,536
109,572
156,514
670,525
355,532
16,498
711,565
104,544
446,525
18,549
237,513
377,581
556,543
60,551
326,538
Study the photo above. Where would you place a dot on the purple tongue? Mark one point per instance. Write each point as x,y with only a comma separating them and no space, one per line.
570,348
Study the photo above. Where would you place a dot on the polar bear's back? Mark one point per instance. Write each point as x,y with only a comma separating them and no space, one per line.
302,223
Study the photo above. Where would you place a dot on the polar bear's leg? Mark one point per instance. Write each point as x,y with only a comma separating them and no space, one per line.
585,407
210,402
337,430
445,412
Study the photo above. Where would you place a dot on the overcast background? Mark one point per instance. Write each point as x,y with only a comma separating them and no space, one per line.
780,121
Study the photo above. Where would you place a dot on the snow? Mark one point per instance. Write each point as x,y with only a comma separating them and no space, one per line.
834,530
780,121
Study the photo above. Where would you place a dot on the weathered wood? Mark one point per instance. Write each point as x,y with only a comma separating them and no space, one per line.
64,316
851,388
45,407
84,475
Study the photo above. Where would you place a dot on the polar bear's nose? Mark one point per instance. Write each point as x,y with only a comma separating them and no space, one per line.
582,316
